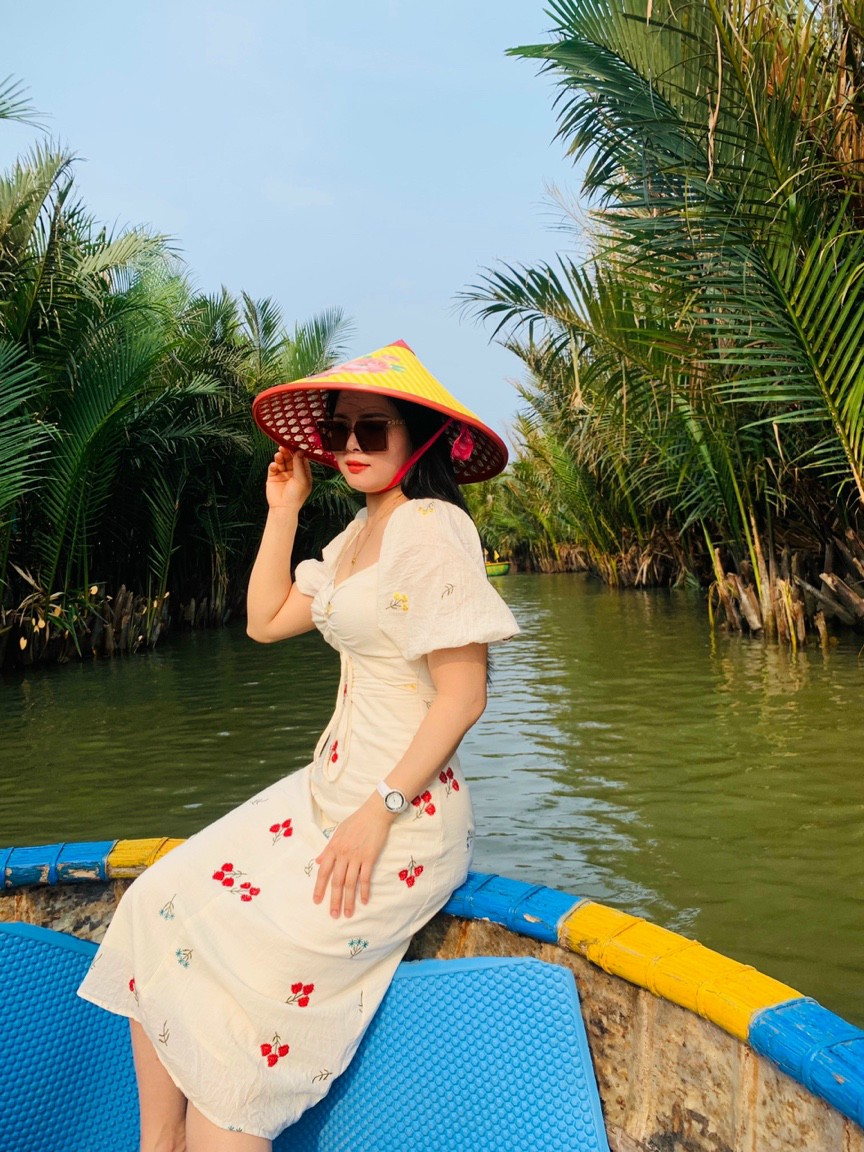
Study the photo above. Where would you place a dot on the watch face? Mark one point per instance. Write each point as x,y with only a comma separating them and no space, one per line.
394,801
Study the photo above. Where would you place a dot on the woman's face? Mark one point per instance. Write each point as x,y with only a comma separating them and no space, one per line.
371,471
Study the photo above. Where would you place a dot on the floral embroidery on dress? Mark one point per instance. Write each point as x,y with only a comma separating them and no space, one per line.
425,509
449,780
227,877
411,873
334,747
184,956
307,868
356,946
448,590
323,1075
398,602
281,831
423,803
133,988
274,1052
167,909
300,994
164,1036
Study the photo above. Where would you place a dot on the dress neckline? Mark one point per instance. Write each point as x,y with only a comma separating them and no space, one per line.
353,575
359,520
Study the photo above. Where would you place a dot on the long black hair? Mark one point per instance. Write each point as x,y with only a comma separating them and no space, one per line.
432,476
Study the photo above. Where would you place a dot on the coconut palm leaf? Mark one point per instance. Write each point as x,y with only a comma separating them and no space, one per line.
23,439
13,103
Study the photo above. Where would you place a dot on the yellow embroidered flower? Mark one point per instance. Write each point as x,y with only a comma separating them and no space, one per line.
425,509
399,602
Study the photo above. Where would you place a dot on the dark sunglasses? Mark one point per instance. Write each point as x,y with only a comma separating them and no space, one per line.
370,433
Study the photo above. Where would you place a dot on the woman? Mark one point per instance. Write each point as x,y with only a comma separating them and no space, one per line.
252,958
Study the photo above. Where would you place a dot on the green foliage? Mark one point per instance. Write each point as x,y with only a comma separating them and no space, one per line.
127,451
714,340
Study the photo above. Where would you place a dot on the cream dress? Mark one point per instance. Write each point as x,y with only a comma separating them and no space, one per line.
254,997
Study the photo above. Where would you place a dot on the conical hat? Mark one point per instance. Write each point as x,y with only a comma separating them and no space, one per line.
289,412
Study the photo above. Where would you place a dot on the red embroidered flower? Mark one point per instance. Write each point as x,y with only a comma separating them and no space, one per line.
423,804
300,994
229,877
410,874
274,1052
283,830
447,778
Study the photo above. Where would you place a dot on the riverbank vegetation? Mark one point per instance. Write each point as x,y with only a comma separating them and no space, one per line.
694,400
131,475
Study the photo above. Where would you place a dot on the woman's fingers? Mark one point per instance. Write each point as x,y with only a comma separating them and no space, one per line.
325,867
336,886
365,882
343,875
349,897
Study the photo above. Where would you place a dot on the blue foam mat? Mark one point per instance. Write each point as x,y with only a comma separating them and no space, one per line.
67,1083
464,1055
478,1055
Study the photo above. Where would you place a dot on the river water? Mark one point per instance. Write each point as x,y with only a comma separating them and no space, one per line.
713,785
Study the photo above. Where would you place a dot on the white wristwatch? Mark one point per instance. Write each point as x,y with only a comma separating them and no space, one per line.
394,800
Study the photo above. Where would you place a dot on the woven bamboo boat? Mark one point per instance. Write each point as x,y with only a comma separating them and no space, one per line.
693,1052
497,567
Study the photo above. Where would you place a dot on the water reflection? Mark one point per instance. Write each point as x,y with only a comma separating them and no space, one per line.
713,785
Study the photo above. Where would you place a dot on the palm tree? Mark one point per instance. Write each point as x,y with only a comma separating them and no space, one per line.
128,459
717,330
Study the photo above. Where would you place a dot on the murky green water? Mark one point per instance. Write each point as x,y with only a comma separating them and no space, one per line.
713,786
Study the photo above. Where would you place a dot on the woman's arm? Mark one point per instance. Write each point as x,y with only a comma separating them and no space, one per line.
275,608
459,675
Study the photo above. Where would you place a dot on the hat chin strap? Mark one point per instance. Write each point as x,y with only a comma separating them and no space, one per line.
415,456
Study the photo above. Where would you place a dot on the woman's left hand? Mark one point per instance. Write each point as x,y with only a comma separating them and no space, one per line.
349,858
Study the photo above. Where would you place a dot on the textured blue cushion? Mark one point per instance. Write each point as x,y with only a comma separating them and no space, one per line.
67,1082
464,1055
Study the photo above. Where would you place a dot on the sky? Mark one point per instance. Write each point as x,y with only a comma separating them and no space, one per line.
374,156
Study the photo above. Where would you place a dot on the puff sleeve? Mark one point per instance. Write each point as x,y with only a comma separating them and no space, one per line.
433,591
311,575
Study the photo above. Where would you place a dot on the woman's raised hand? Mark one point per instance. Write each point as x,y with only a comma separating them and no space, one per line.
289,480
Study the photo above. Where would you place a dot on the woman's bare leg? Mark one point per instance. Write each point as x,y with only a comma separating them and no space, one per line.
163,1105
203,1136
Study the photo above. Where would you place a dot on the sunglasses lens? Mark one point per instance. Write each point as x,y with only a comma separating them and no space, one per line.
371,435
334,434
